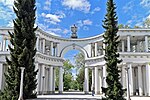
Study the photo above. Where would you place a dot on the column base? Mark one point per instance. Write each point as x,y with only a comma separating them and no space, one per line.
60,92
97,92
131,94
50,92
141,94
86,92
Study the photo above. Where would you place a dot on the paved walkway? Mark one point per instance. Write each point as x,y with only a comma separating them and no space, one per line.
78,96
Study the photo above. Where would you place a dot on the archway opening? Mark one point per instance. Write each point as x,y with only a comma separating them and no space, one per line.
74,72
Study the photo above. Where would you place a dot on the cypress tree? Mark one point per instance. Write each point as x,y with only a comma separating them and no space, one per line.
114,90
22,52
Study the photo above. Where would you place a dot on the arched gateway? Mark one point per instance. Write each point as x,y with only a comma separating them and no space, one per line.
51,49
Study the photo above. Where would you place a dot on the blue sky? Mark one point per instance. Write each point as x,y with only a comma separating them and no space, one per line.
56,16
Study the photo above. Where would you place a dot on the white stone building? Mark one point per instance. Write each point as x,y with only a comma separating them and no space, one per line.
133,49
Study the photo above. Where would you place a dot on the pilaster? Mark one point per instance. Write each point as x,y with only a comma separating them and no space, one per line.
148,78
146,43
140,81
4,44
96,81
86,81
104,76
122,45
128,44
130,78
1,75
43,79
96,49
51,79
37,42
44,45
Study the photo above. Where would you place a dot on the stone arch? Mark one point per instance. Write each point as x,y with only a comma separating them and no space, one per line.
76,47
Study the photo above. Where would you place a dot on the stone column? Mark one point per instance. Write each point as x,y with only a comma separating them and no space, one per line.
58,50
44,45
96,49
60,79
127,82
1,46
43,79
138,46
21,84
54,75
96,81
86,81
122,45
48,79
103,48
104,76
51,79
51,50
140,81
1,75
93,78
128,44
123,77
89,49
40,46
4,44
37,42
144,79
146,43
37,77
100,81
148,78
130,79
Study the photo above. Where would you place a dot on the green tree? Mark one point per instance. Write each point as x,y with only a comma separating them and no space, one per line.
68,77
120,26
79,61
114,89
147,23
22,53
80,78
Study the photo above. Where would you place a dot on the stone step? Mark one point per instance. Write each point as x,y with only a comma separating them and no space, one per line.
67,97
64,99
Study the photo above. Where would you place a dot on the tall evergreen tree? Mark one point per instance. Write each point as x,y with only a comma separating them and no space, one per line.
114,90
22,53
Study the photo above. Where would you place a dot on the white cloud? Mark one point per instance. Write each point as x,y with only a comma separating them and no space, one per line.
84,24
81,5
10,24
48,2
65,31
6,15
145,3
87,22
148,16
55,29
81,23
8,3
128,6
47,5
96,10
53,18
46,29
